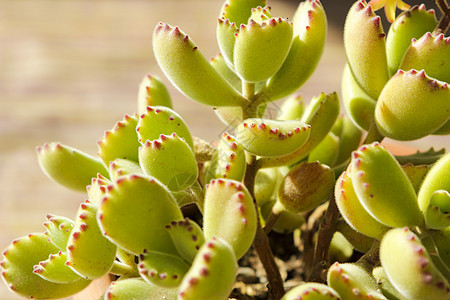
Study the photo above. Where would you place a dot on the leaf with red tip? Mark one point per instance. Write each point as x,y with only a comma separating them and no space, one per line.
264,137
187,236
19,259
431,53
58,230
383,188
162,269
55,269
409,266
412,105
311,291
68,166
120,167
159,120
353,281
261,48
152,92
292,108
171,160
134,212
310,31
409,25
212,274
437,215
120,142
89,253
229,213
135,288
190,71
366,48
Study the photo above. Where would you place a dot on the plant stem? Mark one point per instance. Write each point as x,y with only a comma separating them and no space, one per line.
261,241
444,23
326,231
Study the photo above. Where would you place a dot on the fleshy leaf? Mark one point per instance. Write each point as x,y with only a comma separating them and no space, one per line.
171,160
120,142
162,269
212,274
416,174
19,259
410,268
311,291
410,24
353,281
383,188
229,213
89,253
349,139
261,48
359,106
310,31
190,71
135,288
437,215
97,189
365,46
229,160
159,120
120,167
152,92
266,137
412,105
68,166
134,212
306,186
187,236
352,210
58,230
292,108
54,269
327,151
436,47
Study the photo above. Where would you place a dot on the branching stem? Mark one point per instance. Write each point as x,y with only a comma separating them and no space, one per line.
444,23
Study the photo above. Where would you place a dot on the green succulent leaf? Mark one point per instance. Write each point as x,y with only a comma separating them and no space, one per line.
159,120
120,167
416,174
171,160
411,24
58,230
68,166
229,160
212,274
120,142
97,189
219,64
229,213
327,151
365,46
89,253
152,92
437,215
266,137
311,291
310,31
418,55
353,211
385,285
187,236
190,71
162,269
134,212
292,108
353,281
412,105
54,269
359,106
135,288
350,138
19,259
261,48
383,188
409,267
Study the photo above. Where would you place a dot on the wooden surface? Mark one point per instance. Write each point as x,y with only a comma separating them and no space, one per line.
70,69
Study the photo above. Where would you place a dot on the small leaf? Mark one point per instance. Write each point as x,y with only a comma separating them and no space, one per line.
187,236
68,166
135,288
58,230
54,269
437,215
311,291
152,92
265,137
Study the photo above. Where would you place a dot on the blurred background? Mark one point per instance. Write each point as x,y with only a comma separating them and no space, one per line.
70,69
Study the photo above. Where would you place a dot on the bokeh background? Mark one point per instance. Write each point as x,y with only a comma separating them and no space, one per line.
70,69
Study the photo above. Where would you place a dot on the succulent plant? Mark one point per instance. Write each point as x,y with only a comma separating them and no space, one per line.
175,217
